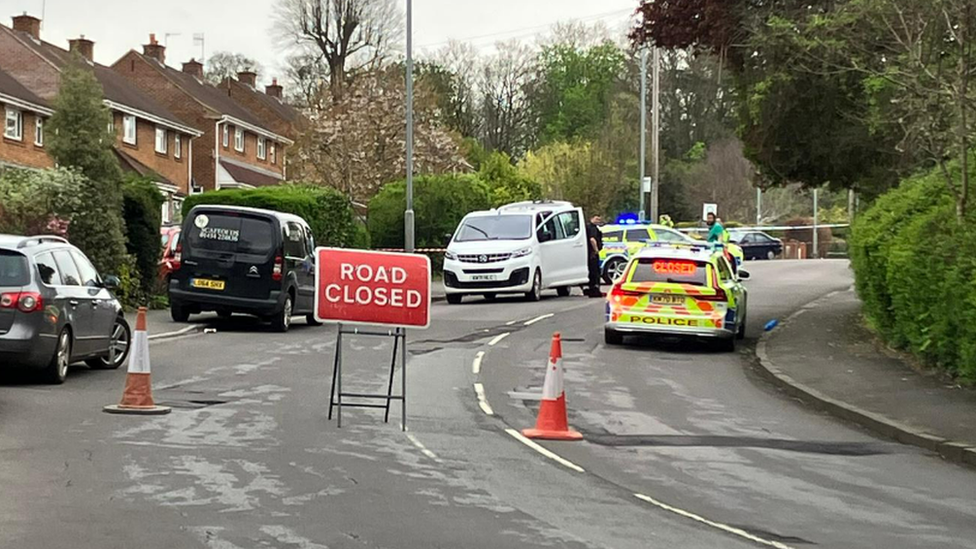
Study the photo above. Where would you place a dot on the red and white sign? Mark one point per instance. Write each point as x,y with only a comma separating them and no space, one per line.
364,287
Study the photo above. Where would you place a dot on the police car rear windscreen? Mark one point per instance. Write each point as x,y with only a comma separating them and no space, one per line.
676,271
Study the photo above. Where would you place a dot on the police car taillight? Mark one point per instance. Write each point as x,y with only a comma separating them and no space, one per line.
617,294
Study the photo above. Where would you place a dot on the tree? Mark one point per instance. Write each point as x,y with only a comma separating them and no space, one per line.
452,75
225,64
572,93
356,144
349,36
306,75
505,105
506,184
39,202
77,138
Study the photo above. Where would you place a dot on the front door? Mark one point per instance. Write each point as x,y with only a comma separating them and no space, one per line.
575,252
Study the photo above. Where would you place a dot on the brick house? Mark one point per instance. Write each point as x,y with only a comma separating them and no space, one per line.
268,106
150,139
244,150
24,114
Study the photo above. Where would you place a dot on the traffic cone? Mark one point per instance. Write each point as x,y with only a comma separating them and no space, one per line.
552,423
137,396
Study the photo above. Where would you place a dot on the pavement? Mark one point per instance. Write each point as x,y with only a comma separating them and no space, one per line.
685,446
825,354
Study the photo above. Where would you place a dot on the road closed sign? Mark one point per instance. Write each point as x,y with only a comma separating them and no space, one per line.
364,287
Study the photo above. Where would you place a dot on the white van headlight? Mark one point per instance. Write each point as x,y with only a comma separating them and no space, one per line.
522,253
450,255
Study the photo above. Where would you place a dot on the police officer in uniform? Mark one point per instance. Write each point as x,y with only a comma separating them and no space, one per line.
594,241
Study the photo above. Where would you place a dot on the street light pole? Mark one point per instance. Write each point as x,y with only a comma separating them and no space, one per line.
643,130
656,137
408,221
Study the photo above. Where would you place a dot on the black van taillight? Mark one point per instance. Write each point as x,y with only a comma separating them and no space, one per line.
279,265
177,258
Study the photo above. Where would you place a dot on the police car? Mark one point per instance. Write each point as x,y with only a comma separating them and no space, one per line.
681,290
621,241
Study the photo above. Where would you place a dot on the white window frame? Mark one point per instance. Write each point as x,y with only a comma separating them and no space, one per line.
238,140
177,146
38,130
226,137
17,116
129,123
166,211
274,152
162,140
262,148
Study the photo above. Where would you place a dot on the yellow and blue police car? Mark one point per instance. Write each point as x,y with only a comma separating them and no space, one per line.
680,290
622,241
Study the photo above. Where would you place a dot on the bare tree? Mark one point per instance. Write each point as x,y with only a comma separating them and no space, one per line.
506,108
225,64
349,36
307,75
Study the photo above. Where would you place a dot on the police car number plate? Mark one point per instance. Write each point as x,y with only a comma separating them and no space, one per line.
668,299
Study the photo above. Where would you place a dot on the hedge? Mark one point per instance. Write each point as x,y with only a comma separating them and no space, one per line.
440,201
328,212
141,204
915,265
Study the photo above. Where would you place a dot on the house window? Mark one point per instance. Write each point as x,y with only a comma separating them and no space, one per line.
238,140
274,153
129,129
262,148
14,127
161,139
166,216
111,126
38,131
178,146
226,138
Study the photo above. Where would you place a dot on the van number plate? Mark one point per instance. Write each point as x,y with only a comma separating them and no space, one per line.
208,284
668,299
477,278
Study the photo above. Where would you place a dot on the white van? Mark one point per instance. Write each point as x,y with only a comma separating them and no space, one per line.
525,248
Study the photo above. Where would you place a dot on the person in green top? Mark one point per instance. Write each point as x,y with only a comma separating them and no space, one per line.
716,232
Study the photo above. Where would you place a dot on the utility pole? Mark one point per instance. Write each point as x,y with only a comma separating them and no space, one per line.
816,232
758,206
656,137
643,131
408,222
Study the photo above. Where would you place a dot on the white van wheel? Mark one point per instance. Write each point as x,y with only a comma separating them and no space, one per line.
535,294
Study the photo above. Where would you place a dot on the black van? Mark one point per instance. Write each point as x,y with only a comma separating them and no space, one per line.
244,260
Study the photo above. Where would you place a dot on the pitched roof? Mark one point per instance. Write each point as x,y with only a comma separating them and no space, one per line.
283,110
12,88
212,97
130,163
249,175
115,87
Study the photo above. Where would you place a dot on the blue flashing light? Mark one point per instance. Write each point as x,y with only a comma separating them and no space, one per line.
627,219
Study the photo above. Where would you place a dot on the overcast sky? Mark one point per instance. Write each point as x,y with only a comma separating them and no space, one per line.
117,26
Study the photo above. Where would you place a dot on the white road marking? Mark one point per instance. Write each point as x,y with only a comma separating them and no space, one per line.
497,338
476,365
538,319
479,390
561,460
717,525
423,449
511,322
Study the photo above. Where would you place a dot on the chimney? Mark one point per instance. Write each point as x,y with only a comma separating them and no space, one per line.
83,46
248,78
274,90
194,68
29,24
155,50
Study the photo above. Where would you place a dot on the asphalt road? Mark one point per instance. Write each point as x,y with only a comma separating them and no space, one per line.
249,459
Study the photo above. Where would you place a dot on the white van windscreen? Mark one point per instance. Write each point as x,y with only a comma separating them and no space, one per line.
221,232
495,227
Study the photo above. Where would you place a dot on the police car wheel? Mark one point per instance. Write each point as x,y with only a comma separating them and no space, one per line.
614,270
727,345
612,337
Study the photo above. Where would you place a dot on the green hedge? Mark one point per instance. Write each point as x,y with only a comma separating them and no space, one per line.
915,267
141,204
440,201
328,212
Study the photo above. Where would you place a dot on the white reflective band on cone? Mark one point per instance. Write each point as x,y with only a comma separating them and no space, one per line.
553,387
139,353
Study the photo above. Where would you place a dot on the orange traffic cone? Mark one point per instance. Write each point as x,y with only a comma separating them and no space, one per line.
552,423
137,396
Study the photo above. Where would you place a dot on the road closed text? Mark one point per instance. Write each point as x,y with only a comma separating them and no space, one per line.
378,286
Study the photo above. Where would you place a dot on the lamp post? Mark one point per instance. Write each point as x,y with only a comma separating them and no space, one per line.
408,220
643,131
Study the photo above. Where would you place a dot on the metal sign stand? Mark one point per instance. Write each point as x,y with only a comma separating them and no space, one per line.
399,336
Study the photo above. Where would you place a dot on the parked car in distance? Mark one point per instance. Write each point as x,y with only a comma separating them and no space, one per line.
525,248
757,244
170,237
244,260
56,310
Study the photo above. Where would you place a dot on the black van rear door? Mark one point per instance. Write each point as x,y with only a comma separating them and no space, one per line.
229,253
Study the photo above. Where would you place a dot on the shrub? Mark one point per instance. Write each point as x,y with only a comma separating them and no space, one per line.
141,203
328,212
440,201
39,202
914,264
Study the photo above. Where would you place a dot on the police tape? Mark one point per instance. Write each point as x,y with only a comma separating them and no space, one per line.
416,251
770,228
